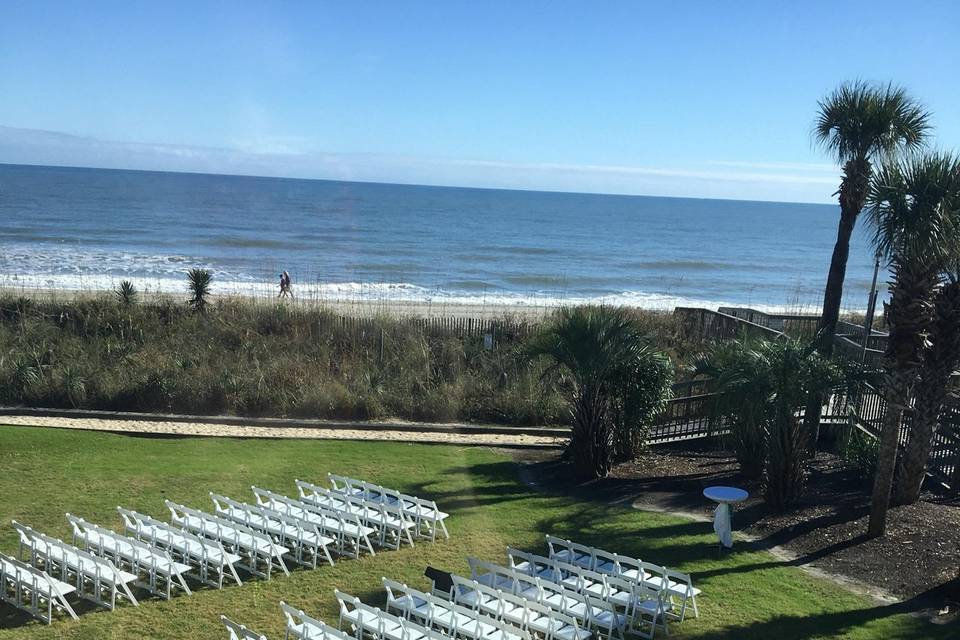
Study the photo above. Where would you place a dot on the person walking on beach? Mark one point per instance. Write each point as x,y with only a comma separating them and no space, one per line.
286,288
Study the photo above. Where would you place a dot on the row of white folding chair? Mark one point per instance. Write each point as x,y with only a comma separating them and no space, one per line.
238,631
352,537
678,585
257,549
574,577
425,513
304,627
380,624
448,616
33,590
92,577
207,555
596,615
529,615
646,606
156,571
638,600
391,523
581,555
303,538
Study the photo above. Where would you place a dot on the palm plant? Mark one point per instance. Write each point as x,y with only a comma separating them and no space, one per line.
913,209
760,388
857,124
198,280
940,361
126,293
617,381
736,407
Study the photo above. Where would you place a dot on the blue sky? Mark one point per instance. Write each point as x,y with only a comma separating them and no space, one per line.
702,99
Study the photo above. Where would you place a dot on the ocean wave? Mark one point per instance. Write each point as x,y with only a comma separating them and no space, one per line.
681,265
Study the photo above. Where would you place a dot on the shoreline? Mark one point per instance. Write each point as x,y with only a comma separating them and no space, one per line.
364,306
357,307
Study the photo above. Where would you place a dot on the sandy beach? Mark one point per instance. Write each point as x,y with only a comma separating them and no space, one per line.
347,307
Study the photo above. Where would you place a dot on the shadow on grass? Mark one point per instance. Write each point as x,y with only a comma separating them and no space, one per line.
500,485
12,618
828,625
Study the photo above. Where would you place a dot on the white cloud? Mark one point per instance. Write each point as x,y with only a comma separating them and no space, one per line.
779,166
284,157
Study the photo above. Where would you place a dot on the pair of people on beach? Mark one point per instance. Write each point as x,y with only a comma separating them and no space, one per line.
286,289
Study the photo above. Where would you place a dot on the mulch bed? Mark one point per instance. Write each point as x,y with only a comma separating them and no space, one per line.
919,558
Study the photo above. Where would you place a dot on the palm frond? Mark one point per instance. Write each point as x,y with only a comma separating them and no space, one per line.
913,209
860,120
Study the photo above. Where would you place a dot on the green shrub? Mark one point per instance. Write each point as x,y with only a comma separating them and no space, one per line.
198,281
126,293
860,452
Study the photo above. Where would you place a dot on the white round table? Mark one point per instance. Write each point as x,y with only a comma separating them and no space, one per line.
724,497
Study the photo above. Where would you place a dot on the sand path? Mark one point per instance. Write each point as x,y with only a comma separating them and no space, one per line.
206,429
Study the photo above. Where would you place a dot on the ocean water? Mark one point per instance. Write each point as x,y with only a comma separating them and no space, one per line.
90,228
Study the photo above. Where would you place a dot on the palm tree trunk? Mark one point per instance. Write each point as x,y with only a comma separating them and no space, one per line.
942,359
909,315
912,463
589,440
833,294
895,396
853,193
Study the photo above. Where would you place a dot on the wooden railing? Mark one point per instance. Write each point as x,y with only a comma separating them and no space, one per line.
687,416
794,324
706,324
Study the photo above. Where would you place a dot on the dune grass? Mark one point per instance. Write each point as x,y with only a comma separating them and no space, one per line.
255,358
46,472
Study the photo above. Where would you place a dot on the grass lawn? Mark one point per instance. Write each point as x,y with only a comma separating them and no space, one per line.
46,472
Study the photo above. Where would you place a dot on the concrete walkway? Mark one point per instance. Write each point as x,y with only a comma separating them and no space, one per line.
210,429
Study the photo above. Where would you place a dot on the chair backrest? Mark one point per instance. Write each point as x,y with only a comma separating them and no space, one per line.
240,632
274,501
47,545
140,552
86,563
227,530
519,581
18,577
312,627
535,562
261,518
587,577
167,534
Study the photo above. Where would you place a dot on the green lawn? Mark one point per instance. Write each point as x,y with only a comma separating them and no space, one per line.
46,472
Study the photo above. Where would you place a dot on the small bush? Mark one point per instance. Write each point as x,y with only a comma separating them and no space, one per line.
126,293
198,281
860,452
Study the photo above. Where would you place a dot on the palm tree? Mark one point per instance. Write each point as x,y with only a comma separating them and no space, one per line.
913,211
940,361
857,124
760,388
617,380
198,280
